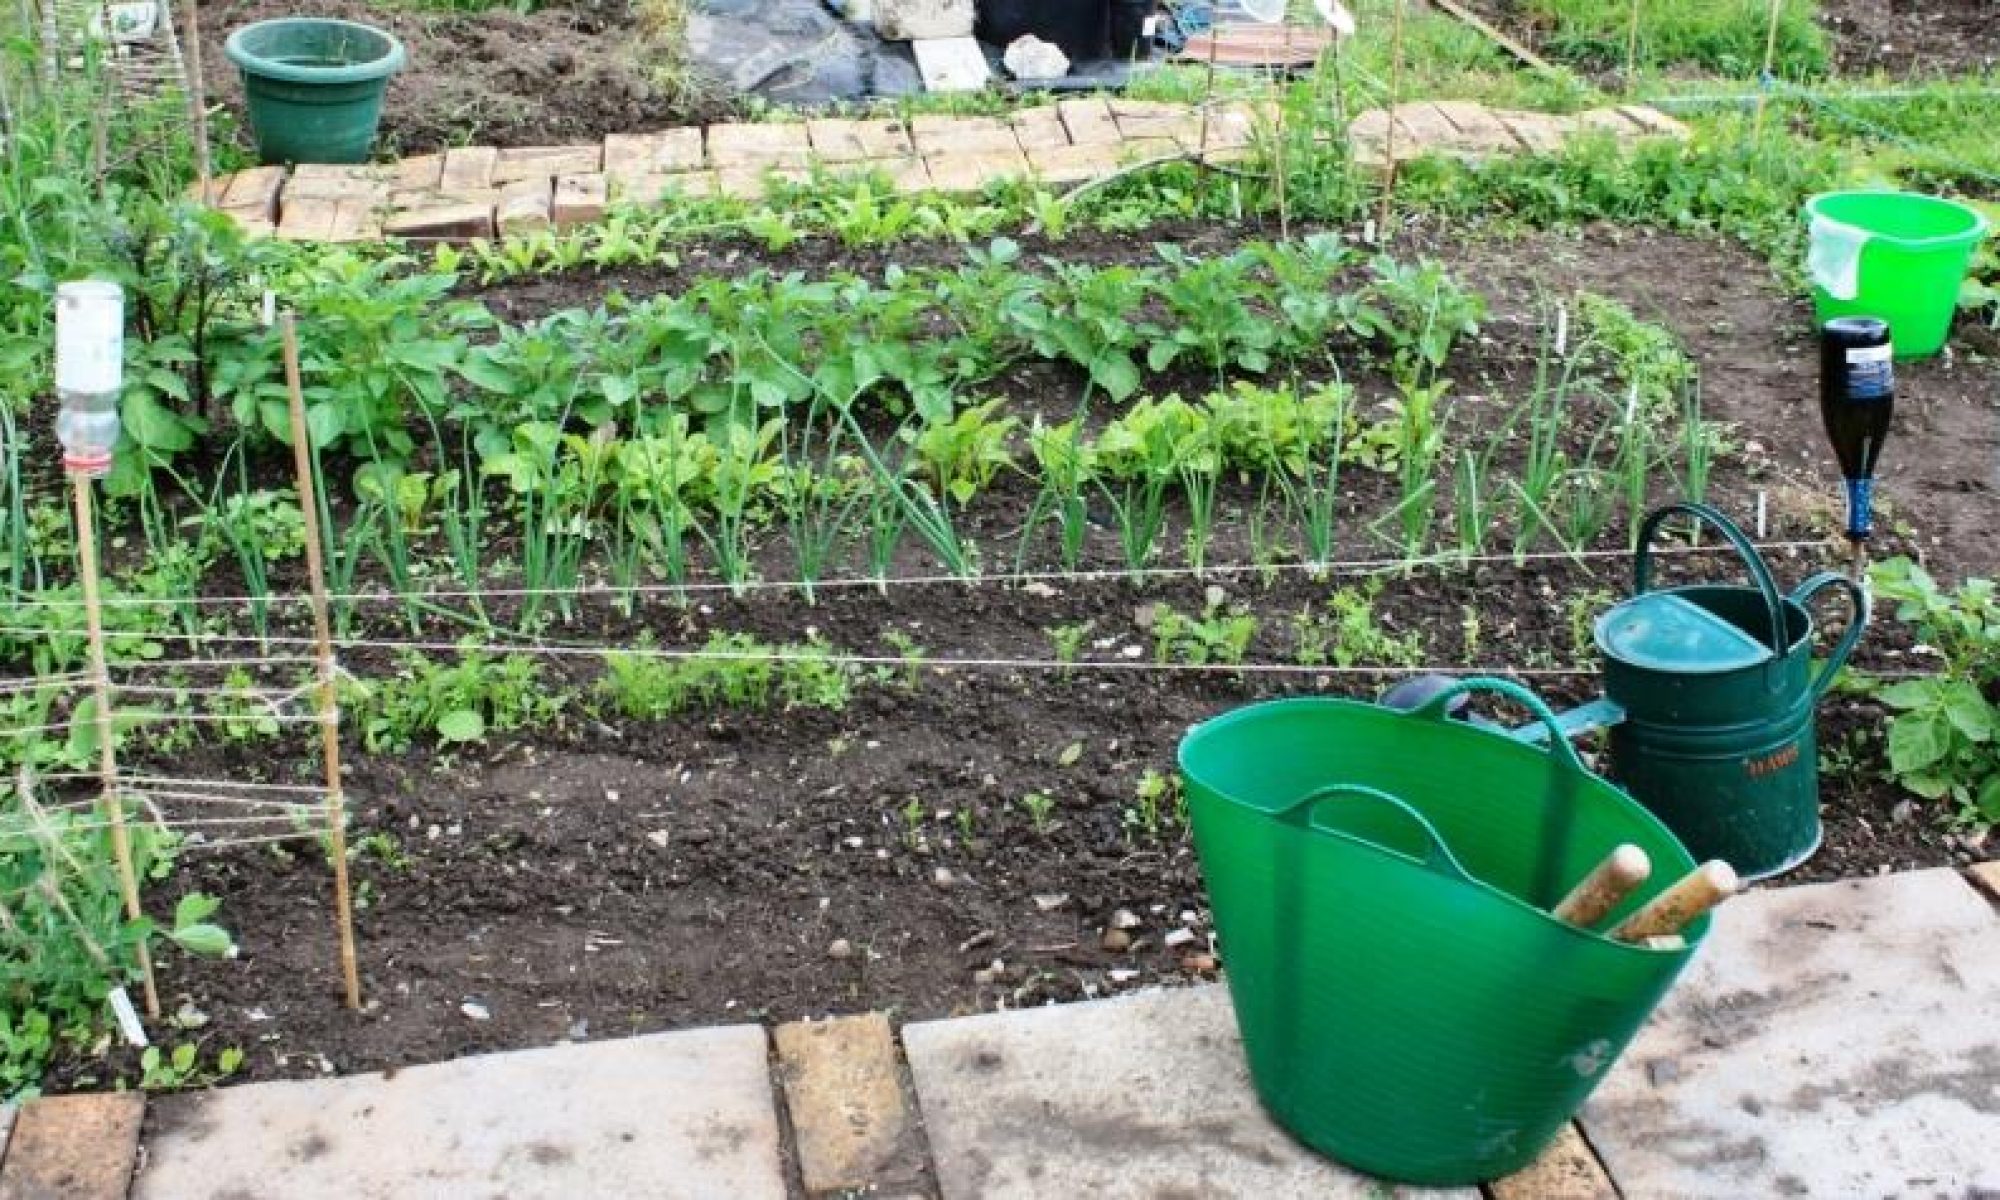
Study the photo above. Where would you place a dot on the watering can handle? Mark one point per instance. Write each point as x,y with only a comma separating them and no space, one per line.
1857,597
1437,709
1437,855
1642,563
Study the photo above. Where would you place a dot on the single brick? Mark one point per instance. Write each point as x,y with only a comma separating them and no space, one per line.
1073,164
1987,875
422,171
1567,1170
653,189
325,181
447,220
632,155
524,206
1541,133
963,135
1652,120
972,172
467,169
580,199
1040,128
1089,122
852,1124
852,141
739,146
533,162
1478,129
252,193
308,219
73,1148
1611,120
355,221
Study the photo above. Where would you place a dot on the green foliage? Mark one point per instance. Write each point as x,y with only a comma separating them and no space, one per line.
1944,741
729,671
1726,36
1221,634
1351,634
455,703
1158,804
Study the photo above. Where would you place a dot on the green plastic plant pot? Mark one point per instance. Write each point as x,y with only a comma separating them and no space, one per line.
1893,255
314,86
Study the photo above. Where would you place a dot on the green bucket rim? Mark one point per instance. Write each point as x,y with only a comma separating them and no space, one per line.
1693,934
382,66
1979,228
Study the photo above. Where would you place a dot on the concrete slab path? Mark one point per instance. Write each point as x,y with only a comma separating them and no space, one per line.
1138,1098
1835,1040
688,1115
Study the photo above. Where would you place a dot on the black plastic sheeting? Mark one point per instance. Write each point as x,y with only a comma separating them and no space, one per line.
800,52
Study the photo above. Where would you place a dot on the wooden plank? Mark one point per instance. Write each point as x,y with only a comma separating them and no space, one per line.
1500,39
1567,1170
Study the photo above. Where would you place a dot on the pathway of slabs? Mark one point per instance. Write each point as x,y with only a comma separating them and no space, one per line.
480,191
1837,1039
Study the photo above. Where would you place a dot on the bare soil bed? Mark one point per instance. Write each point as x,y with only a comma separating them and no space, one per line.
570,72
589,881
1914,37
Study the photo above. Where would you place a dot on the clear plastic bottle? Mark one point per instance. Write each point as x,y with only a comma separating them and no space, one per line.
90,370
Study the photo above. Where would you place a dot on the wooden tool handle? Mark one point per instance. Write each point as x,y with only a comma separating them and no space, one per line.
1600,891
1669,912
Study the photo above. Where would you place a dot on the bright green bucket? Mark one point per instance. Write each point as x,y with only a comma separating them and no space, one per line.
314,86
1380,883
1893,255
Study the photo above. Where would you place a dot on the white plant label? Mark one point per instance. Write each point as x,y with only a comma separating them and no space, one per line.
128,1018
90,337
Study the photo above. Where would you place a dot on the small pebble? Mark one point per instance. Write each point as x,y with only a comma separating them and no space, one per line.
476,1011
1117,941
1051,901
1125,918
840,951
1200,964
1179,937
942,877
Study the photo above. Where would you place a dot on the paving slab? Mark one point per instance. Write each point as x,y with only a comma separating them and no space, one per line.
73,1147
1142,1097
951,64
327,181
1478,129
253,193
742,146
1838,1039
418,172
7,1114
448,220
524,207
850,1121
972,172
963,135
688,1115
1073,164
1039,128
652,189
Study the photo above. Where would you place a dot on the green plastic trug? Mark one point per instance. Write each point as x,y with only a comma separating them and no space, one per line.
314,86
1381,884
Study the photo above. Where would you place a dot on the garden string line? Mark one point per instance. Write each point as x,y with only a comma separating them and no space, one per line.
1360,566
1881,133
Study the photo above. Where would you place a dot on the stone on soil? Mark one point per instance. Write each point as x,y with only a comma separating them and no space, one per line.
1031,58
915,20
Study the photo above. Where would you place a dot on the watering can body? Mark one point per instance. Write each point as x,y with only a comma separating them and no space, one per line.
1718,693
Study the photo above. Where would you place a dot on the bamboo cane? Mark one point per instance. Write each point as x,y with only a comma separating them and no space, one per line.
107,749
329,711
1593,898
1669,912
1770,59
1389,137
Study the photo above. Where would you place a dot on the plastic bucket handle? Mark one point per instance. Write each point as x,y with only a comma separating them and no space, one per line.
1833,255
1437,709
1437,856
1859,611
1760,573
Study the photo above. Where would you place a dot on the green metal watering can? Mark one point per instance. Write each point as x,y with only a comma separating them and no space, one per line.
1709,696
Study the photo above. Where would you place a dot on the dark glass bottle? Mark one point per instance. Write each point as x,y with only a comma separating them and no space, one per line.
1857,396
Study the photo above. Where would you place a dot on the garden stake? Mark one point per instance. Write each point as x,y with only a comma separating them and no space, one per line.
329,709
198,102
1764,80
1632,50
1600,891
107,750
1389,136
1669,912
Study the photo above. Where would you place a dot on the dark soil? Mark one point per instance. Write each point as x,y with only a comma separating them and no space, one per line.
570,72
1914,37
597,879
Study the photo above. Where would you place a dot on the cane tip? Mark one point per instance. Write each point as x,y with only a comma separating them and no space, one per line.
1630,863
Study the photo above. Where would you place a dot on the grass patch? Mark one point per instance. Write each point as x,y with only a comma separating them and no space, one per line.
1724,36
